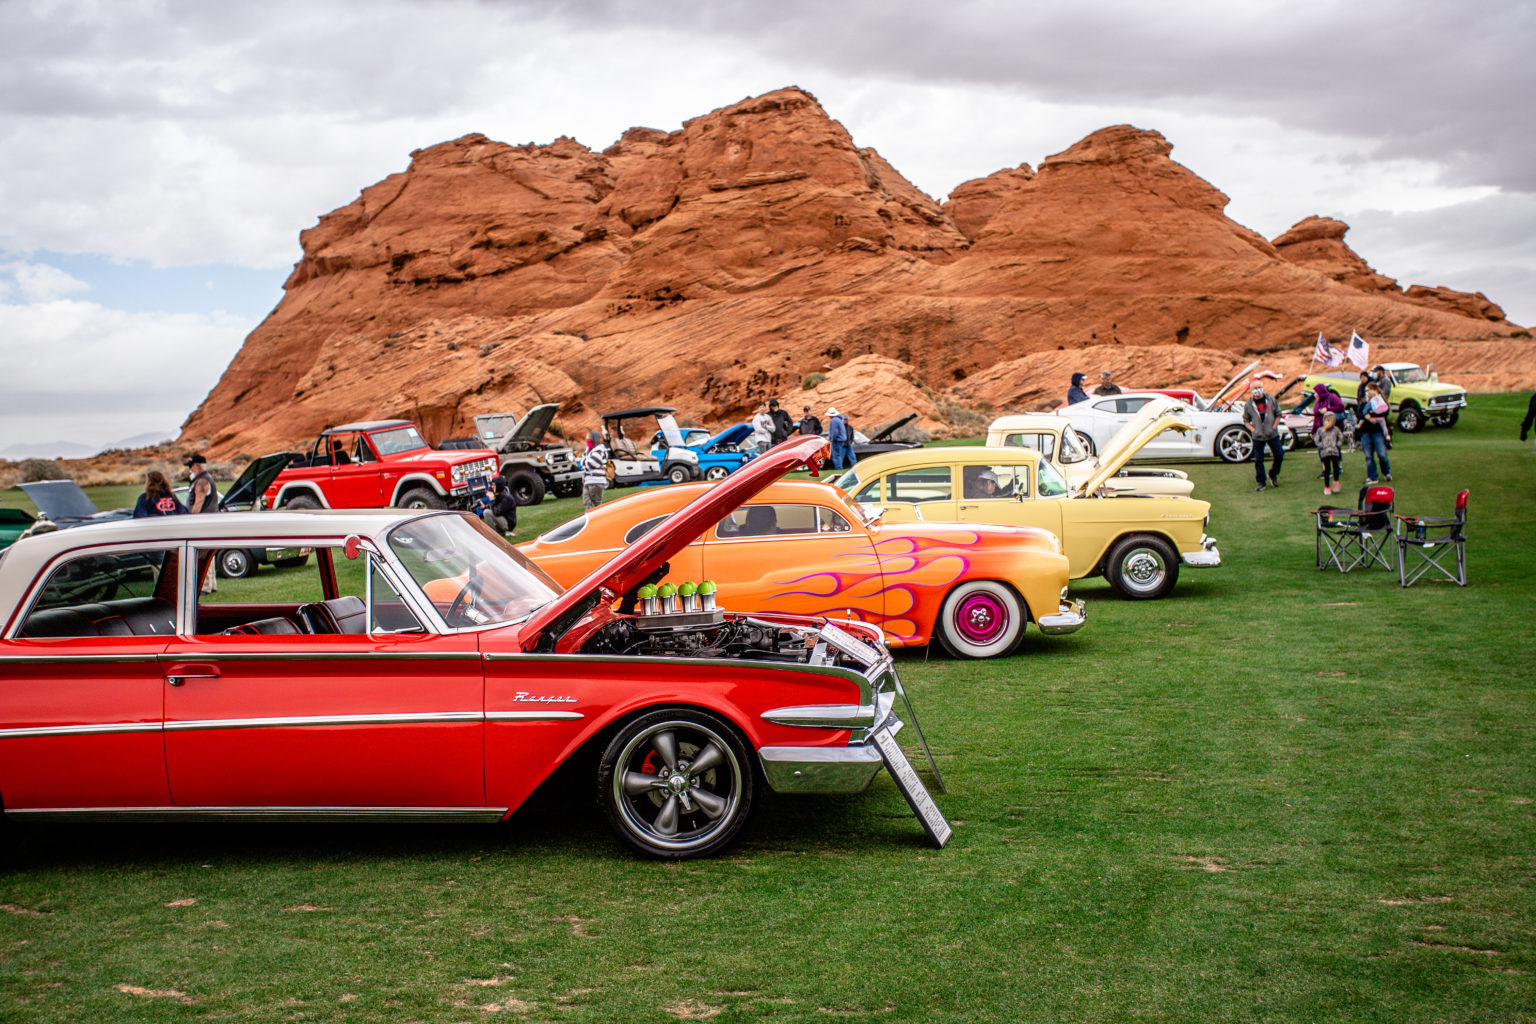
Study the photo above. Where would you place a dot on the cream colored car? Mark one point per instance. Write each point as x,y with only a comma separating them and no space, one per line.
1137,542
1064,448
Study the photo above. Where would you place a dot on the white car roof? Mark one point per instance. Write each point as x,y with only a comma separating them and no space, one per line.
1025,420
25,558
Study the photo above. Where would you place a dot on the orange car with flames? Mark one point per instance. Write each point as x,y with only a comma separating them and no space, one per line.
809,549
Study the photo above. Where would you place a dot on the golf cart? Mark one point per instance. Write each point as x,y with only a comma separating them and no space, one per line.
635,464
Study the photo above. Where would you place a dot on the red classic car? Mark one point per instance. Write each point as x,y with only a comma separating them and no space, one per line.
379,463
431,672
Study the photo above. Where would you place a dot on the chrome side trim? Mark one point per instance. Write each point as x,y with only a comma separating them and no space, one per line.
851,675
96,729
186,654
300,814
822,716
306,721
72,659
533,716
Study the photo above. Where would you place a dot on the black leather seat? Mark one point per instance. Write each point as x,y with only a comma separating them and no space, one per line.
338,615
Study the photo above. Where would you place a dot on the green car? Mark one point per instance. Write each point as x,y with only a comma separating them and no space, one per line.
1417,397
13,523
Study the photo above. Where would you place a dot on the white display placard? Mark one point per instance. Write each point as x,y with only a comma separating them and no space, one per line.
912,788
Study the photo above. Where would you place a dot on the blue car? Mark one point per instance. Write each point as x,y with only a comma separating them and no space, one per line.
720,454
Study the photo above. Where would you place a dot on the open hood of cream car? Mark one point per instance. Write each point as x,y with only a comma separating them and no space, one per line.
1131,439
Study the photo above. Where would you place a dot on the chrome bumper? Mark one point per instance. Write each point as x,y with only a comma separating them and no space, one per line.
1069,618
1207,557
828,769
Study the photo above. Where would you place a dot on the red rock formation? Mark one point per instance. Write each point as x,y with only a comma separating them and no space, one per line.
1317,243
720,264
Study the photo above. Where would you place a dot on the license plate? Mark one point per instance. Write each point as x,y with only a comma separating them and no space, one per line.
905,777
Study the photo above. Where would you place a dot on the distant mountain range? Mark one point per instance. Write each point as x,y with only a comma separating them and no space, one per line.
76,450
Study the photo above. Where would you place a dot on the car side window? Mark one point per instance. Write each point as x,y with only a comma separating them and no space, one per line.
387,611
1107,406
828,521
1130,404
1043,443
869,493
993,482
930,483
122,593
780,521
641,529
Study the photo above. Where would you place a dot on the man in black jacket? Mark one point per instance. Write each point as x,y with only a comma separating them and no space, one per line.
1530,418
783,426
809,424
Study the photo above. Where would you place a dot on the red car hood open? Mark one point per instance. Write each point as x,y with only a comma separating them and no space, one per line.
646,555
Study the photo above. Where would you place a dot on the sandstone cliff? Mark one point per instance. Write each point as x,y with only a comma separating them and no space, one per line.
723,263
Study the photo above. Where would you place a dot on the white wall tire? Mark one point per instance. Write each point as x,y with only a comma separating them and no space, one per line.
981,619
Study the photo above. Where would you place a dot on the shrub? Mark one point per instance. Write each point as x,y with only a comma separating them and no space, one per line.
33,470
811,380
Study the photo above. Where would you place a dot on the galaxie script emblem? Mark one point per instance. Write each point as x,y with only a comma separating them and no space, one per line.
525,697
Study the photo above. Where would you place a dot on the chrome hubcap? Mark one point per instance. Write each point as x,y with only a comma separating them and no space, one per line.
1144,569
677,785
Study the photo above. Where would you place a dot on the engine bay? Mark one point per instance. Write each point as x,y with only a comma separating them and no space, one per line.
727,635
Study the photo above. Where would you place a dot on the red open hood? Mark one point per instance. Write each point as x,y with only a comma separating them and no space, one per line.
627,568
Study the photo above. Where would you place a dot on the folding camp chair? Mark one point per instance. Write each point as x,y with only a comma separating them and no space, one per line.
1348,538
1435,539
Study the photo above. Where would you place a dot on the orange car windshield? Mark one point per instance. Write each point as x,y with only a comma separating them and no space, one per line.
471,575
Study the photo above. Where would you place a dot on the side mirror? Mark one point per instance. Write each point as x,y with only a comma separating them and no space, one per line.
351,546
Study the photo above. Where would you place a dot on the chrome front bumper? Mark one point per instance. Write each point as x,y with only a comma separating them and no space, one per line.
1069,618
1207,557
828,769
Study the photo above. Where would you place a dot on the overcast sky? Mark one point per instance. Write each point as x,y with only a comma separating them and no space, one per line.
161,157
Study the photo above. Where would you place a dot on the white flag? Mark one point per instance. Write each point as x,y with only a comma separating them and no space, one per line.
1335,357
1359,351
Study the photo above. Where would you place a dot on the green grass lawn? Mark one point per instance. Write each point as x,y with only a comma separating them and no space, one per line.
1278,795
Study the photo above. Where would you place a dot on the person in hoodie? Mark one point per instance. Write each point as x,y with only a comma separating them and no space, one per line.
1325,401
1075,393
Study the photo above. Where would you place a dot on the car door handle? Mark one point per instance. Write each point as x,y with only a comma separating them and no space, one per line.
182,677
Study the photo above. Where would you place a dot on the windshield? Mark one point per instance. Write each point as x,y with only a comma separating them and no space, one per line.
849,481
472,576
397,440
1409,375
1051,484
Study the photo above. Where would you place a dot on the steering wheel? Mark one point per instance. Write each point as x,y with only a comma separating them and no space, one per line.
465,599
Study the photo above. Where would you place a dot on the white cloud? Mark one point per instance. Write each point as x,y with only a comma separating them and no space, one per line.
37,282
75,370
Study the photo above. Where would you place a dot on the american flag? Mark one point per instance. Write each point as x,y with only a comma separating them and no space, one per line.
1359,351
1326,353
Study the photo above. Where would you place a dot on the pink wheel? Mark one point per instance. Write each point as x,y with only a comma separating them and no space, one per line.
981,619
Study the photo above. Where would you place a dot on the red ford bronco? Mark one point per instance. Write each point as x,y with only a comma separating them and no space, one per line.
384,462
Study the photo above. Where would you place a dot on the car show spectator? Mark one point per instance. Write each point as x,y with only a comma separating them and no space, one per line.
1075,392
503,510
1325,400
157,499
204,494
783,426
1383,380
809,424
1261,415
1529,421
1107,385
1329,440
841,436
1374,433
762,429
594,474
